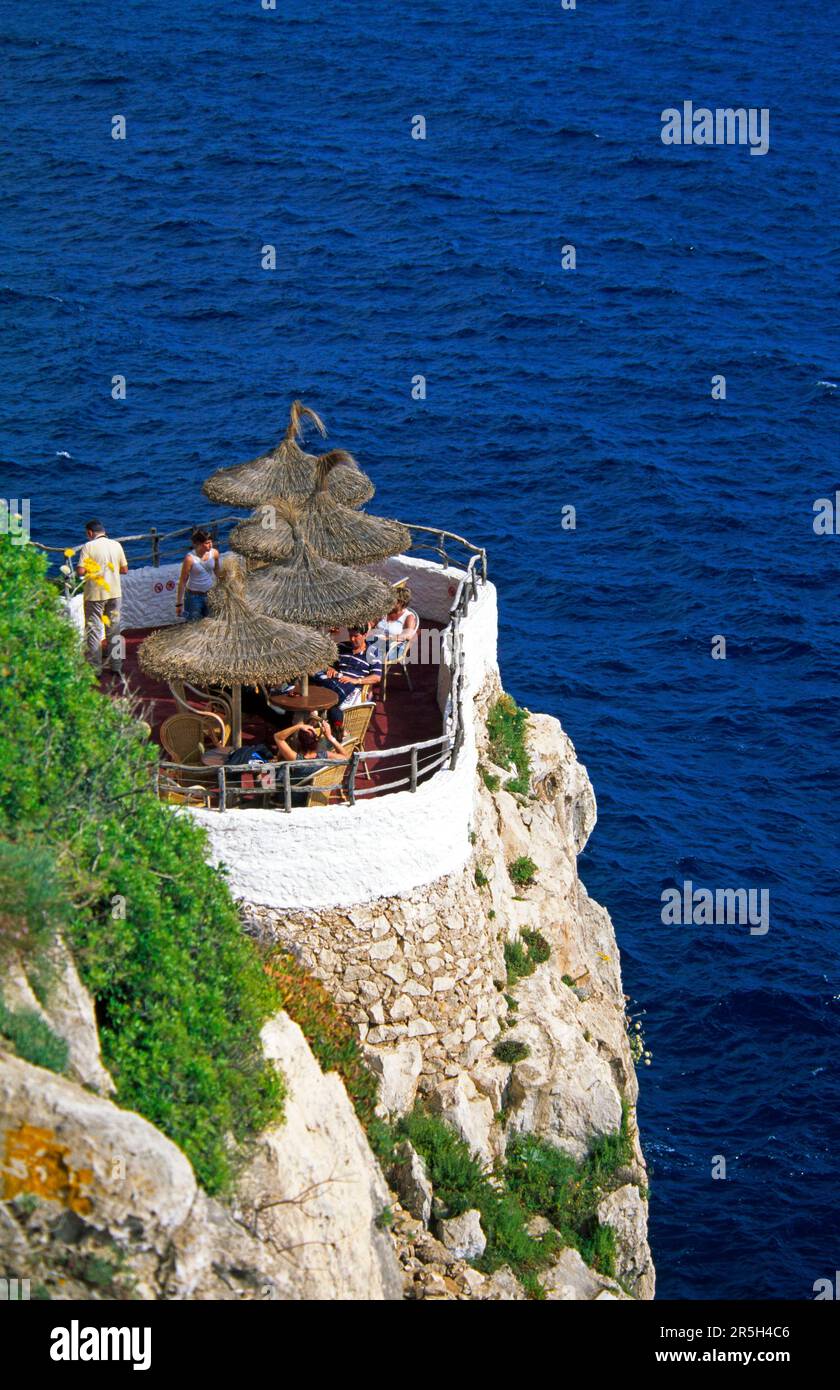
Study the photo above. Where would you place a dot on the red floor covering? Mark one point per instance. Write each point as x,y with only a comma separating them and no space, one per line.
407,716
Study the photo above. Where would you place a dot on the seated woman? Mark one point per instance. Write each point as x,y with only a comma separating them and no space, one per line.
306,758
398,627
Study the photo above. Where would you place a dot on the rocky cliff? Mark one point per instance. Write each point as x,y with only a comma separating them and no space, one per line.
97,1203
425,980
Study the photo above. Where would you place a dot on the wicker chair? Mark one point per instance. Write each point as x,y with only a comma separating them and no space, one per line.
397,653
190,700
183,736
355,726
324,783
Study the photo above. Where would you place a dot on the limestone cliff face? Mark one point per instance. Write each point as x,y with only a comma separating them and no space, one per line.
97,1203
424,979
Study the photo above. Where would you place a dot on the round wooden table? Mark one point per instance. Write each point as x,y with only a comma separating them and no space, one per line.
318,697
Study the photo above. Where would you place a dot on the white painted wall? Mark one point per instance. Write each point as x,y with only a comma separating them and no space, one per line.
331,856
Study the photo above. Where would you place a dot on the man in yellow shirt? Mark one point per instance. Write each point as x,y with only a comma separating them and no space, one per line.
100,563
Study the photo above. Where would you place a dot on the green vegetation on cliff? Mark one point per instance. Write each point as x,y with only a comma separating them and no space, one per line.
87,847
506,725
535,1179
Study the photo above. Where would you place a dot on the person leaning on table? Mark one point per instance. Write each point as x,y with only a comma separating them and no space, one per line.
102,595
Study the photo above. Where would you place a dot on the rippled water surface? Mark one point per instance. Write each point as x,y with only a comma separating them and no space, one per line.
546,388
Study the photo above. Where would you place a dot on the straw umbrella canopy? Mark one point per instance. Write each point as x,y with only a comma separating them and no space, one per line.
333,531
237,645
288,472
308,589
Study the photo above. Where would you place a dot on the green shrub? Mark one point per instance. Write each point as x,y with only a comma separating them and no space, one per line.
599,1251
518,961
33,1039
550,1183
179,990
511,1050
538,948
522,871
524,955
461,1184
481,879
33,902
490,779
506,724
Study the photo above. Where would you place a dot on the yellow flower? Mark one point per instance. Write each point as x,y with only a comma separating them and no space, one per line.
601,956
70,552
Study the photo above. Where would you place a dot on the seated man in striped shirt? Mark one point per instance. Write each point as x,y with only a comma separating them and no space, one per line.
359,668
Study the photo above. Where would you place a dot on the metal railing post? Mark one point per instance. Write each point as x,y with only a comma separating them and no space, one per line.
222,789
412,786
155,539
287,788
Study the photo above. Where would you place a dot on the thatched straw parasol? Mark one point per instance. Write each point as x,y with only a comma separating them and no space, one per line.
288,472
334,532
235,646
309,589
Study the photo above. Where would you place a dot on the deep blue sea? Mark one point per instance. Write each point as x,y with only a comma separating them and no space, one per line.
546,388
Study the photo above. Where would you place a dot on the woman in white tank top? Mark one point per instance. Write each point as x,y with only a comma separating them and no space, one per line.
398,626
198,575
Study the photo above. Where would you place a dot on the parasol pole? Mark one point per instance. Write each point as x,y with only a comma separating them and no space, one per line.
304,684
236,716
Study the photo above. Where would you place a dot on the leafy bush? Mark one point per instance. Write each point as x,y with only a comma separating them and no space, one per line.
33,903
33,1039
538,948
518,961
490,779
461,1184
511,1050
524,955
180,994
481,879
567,1193
523,871
506,724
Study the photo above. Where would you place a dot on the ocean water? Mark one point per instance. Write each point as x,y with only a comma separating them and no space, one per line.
546,388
